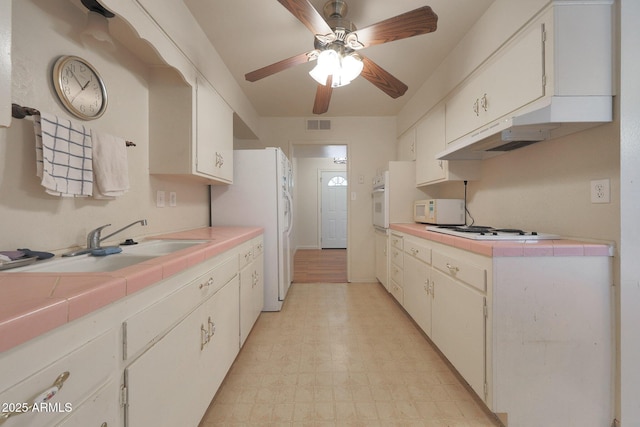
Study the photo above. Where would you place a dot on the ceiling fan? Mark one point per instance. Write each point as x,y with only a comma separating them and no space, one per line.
337,44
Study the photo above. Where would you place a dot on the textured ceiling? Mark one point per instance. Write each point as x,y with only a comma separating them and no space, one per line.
250,34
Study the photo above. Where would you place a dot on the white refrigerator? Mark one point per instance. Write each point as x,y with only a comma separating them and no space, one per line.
261,196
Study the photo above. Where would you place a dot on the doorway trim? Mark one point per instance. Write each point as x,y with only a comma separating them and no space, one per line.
324,143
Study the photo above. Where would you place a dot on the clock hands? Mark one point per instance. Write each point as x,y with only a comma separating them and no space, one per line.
82,86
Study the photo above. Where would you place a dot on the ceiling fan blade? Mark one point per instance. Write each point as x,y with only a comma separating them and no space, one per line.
308,15
323,97
382,79
278,66
419,21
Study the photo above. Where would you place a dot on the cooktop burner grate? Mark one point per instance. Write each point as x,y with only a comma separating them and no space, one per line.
481,232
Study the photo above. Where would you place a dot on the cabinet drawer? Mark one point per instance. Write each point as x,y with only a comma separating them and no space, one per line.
100,410
88,368
258,247
418,250
461,270
396,241
396,273
397,292
245,256
148,325
396,257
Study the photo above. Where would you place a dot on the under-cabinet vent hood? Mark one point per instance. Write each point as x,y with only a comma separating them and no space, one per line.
545,119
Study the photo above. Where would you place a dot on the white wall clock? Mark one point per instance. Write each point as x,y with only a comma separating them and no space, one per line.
79,87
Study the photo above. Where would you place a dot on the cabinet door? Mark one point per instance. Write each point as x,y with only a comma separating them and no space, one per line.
458,328
214,134
174,381
247,283
512,79
417,298
407,145
221,316
430,140
382,259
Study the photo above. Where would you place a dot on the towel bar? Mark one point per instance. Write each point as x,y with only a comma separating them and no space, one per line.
20,112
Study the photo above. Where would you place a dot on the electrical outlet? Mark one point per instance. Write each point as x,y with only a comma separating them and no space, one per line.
173,199
600,191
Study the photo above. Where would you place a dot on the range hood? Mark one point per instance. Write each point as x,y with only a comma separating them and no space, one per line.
547,118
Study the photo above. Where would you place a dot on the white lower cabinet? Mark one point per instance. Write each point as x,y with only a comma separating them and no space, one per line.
155,358
447,308
531,335
382,257
417,284
173,382
251,286
60,388
458,328
396,274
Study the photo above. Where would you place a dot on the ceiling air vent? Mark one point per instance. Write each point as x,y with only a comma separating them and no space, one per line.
318,124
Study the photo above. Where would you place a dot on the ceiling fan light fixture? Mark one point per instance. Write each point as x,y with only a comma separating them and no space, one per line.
343,68
351,67
328,63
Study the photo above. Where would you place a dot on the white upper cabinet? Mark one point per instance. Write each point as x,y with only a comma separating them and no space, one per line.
550,79
190,124
214,135
513,78
190,129
430,140
407,145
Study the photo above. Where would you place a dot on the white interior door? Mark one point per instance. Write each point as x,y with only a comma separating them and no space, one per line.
333,209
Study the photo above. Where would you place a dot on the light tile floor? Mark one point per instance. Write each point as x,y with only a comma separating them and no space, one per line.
341,355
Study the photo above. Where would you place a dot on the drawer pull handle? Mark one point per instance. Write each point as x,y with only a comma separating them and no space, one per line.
207,283
452,268
43,397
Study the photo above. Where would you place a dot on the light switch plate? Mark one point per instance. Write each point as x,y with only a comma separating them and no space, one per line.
160,199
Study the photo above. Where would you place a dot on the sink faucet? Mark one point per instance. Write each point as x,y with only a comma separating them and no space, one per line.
94,237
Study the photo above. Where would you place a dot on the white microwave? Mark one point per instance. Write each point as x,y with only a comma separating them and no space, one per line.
439,211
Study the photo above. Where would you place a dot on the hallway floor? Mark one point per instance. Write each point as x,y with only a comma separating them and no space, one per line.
320,265
341,354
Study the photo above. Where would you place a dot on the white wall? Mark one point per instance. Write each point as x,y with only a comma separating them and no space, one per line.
370,145
42,31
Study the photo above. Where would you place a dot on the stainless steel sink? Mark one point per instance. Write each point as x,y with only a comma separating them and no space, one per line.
86,264
129,256
161,246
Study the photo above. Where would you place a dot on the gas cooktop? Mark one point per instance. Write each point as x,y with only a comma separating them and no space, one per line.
480,232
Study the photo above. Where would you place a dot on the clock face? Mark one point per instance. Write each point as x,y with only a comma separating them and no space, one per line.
79,87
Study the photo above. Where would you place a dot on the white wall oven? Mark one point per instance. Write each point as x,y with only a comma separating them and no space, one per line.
380,196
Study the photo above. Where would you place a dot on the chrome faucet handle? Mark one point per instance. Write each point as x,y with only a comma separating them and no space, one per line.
93,238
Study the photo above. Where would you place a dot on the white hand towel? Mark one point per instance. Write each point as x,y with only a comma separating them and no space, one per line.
63,156
110,165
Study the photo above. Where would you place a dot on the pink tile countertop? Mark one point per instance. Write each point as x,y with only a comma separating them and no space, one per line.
34,303
562,247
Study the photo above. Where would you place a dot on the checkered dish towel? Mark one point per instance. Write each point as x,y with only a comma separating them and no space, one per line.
63,156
